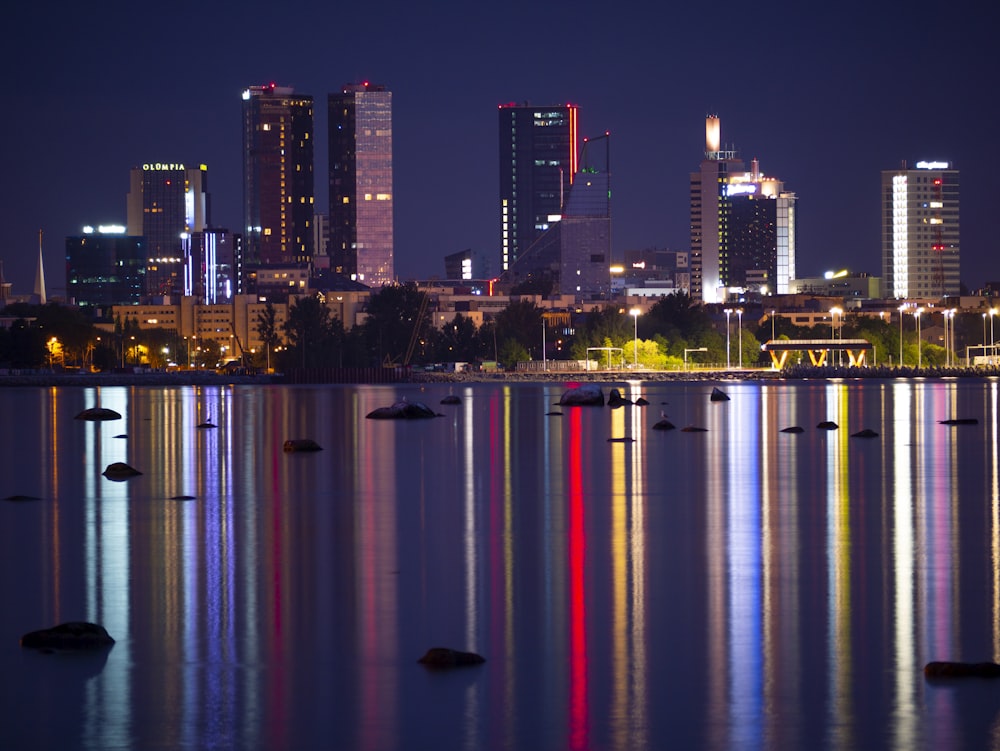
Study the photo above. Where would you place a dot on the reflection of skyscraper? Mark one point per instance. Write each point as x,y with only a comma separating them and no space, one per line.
361,199
920,231
278,189
166,201
742,226
538,163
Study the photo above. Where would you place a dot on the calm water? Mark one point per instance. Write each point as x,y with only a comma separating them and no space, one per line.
737,588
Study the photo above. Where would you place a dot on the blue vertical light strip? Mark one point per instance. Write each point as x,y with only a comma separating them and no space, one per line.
743,572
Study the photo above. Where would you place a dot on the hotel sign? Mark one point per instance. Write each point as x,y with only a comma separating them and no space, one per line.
162,166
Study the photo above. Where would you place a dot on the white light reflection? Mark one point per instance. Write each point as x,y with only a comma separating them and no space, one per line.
472,562
904,726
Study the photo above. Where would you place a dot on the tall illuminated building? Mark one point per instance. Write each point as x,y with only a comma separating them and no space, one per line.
278,186
105,266
167,201
920,231
743,226
361,198
538,163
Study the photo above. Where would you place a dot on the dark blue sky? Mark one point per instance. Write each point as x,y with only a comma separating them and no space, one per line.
826,97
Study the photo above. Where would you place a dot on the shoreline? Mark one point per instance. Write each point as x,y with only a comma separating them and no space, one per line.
211,378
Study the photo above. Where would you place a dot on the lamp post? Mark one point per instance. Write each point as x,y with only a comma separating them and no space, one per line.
901,309
772,325
916,315
728,312
993,312
739,315
635,336
545,364
834,312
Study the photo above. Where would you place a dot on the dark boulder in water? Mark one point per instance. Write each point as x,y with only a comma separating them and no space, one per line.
866,433
962,670
98,413
443,657
792,429
586,395
640,402
718,395
664,424
18,498
301,444
119,471
615,399
827,425
960,421
402,410
451,399
73,635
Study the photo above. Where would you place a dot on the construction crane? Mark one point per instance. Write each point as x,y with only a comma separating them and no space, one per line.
415,334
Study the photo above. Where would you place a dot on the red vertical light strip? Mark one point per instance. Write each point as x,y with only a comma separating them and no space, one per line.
573,153
578,715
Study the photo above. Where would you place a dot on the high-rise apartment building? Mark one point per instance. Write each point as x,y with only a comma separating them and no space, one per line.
278,186
361,198
920,231
538,163
167,201
742,226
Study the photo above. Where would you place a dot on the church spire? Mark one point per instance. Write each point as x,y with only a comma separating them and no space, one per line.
40,274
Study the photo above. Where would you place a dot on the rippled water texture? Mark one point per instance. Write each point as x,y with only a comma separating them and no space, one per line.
739,587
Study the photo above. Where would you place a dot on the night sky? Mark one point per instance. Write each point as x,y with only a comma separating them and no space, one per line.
825,96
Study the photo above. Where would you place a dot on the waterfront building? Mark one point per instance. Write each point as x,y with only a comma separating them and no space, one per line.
166,202
743,226
538,164
278,186
105,267
361,240
920,231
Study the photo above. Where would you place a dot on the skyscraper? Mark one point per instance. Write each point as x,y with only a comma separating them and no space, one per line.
278,187
361,198
538,163
920,231
167,201
742,226
105,267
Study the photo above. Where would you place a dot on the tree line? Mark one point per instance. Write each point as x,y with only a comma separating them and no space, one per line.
399,330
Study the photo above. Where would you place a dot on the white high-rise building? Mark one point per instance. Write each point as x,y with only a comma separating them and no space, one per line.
920,231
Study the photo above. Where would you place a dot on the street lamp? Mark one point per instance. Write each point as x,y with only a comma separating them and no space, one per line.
916,315
834,312
728,312
902,309
635,336
772,325
739,315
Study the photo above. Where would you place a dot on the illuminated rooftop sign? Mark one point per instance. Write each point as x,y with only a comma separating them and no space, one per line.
161,166
933,165
740,189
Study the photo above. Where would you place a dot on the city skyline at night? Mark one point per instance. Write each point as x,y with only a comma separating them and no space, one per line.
827,97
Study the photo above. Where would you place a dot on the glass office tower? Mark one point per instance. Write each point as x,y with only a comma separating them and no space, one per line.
361,198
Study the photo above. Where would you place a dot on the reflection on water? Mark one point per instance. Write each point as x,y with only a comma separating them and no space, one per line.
737,588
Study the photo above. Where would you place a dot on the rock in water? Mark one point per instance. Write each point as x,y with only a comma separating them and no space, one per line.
589,394
718,395
451,399
664,424
120,471
866,433
98,413
301,444
615,399
443,657
827,425
792,429
402,410
962,670
72,635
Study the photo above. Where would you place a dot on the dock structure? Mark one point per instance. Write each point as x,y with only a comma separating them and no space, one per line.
818,350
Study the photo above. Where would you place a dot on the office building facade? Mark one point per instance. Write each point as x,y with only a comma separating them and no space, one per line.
743,226
167,201
278,185
105,266
361,237
538,164
213,266
920,231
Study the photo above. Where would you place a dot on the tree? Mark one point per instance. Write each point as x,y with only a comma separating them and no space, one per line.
395,317
267,330
520,322
312,335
